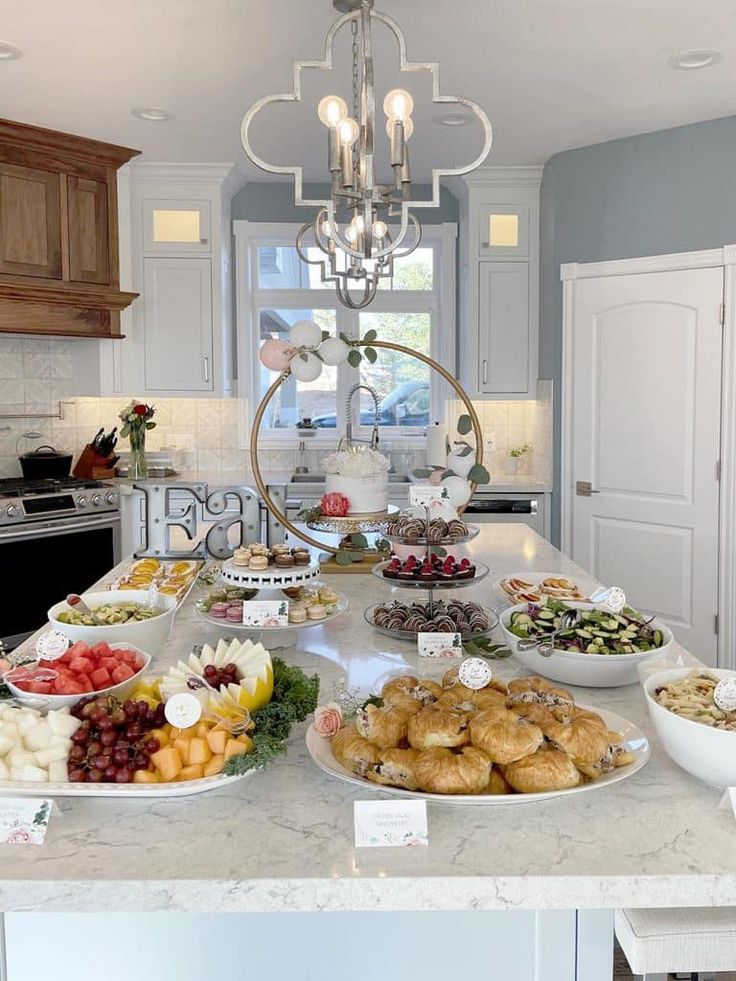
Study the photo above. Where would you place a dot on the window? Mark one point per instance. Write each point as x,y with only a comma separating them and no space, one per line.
415,308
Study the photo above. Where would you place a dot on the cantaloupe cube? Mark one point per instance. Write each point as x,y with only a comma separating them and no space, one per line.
162,735
191,772
183,733
247,742
234,747
215,765
199,752
202,729
182,748
146,776
217,740
168,762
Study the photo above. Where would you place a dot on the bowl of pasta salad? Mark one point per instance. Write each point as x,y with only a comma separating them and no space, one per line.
695,731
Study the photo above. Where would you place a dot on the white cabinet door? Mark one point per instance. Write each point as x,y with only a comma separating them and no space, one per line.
178,325
503,326
645,428
176,227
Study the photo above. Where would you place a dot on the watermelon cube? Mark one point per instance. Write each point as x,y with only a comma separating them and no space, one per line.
109,663
121,673
84,684
102,650
69,688
100,679
39,687
79,649
81,665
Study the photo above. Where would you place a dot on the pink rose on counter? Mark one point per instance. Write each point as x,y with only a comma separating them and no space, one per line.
327,719
334,505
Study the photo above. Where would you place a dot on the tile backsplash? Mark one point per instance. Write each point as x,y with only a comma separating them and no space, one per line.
36,373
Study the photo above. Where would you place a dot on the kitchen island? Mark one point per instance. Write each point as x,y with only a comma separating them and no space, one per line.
282,840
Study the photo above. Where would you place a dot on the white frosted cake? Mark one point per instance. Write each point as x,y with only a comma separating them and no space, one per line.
360,475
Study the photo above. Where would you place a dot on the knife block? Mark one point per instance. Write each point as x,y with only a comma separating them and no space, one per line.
92,466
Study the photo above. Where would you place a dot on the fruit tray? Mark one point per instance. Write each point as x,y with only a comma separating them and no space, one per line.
271,578
481,571
21,788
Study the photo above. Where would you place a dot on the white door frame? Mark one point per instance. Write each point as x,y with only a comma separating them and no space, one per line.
709,258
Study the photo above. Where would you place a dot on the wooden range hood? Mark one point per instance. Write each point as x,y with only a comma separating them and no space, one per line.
59,270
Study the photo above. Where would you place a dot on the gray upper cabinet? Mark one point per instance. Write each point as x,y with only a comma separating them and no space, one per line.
498,302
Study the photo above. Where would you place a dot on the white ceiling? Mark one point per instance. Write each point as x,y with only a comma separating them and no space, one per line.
551,75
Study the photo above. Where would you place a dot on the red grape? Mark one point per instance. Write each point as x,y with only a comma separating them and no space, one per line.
109,774
122,775
108,738
77,776
94,776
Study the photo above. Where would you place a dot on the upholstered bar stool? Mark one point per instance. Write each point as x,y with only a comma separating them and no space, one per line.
658,942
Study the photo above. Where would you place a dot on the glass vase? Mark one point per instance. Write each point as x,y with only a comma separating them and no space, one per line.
138,465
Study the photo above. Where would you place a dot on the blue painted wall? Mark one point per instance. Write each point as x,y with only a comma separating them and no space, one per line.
670,191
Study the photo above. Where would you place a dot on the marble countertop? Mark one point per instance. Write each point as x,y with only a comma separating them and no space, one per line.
283,839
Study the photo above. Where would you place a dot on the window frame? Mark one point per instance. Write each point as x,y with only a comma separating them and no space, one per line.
439,303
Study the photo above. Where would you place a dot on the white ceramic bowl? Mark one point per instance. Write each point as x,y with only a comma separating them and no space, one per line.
60,701
147,635
586,670
708,754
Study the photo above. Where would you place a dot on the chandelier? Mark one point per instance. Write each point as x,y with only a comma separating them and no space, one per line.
358,232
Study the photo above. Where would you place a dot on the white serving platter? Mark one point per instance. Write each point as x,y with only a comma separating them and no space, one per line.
187,788
270,578
635,741
584,585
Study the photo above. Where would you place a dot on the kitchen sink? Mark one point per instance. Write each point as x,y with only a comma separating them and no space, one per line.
319,478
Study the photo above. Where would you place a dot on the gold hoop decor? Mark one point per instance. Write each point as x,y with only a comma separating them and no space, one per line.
286,373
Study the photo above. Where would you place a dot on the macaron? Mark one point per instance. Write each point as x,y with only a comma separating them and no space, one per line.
234,614
297,614
301,557
316,612
258,563
218,610
284,561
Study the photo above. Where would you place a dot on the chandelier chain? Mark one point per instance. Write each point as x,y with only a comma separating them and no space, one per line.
356,86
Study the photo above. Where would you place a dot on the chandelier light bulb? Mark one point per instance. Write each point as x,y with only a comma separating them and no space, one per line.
399,104
380,229
408,126
349,131
351,234
325,228
332,110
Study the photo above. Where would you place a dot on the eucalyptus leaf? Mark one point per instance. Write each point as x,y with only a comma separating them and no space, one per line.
370,335
325,334
371,354
150,425
359,540
354,358
448,473
479,474
344,558
422,472
344,337
464,451
356,556
304,356
464,424
439,551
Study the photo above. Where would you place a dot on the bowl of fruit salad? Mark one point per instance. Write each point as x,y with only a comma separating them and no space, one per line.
601,650
125,615
103,669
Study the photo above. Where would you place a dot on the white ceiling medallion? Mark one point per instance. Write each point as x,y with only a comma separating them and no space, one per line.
690,61
9,52
364,224
152,114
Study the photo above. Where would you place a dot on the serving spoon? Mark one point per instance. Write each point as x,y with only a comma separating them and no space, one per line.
77,602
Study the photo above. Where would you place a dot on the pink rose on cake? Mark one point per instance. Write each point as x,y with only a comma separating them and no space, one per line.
360,475
334,505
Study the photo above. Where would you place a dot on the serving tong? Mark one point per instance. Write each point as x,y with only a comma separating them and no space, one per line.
546,644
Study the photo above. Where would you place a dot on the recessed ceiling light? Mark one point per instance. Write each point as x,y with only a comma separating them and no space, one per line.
690,61
454,118
152,114
9,52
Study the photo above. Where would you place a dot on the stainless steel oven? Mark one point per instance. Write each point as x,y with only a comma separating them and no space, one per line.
51,546
505,508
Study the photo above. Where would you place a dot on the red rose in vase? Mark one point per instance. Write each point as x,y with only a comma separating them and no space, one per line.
334,505
140,410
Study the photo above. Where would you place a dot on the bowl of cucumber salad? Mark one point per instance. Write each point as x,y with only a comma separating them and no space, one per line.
601,650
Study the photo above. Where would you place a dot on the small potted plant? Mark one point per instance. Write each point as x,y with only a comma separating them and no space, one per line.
516,457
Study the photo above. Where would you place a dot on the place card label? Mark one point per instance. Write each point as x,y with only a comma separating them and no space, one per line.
51,645
390,823
428,495
725,694
24,820
439,644
474,673
183,710
266,613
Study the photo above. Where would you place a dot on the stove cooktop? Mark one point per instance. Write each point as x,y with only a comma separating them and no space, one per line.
21,487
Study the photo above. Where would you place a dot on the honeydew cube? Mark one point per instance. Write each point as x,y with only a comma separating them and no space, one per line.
39,737
16,772
58,771
34,774
52,754
6,744
18,758
62,724
26,724
4,771
9,730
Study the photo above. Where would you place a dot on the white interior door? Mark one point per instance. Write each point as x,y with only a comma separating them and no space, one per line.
646,396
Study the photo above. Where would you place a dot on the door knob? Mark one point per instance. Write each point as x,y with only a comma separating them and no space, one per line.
584,488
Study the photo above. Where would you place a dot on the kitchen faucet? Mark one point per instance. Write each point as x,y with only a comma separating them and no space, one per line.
348,438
